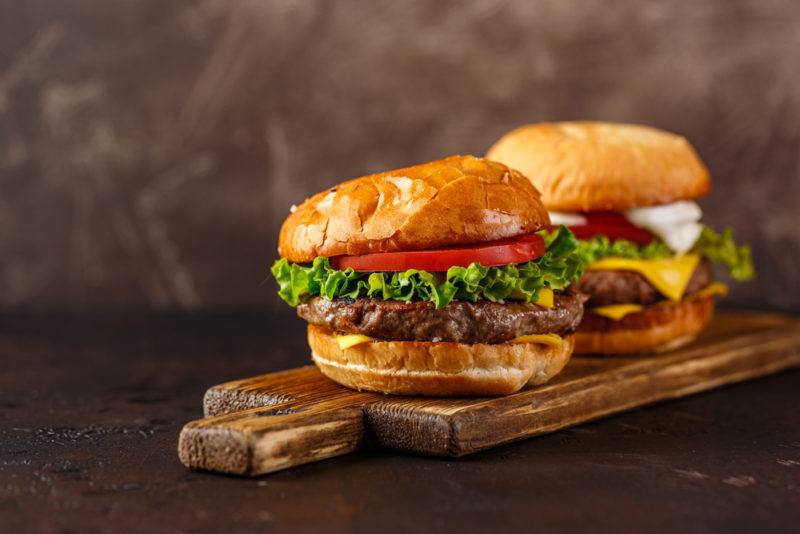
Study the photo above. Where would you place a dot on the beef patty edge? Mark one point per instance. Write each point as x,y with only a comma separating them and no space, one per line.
458,321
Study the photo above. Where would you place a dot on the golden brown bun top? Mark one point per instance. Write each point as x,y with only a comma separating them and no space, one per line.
454,201
593,166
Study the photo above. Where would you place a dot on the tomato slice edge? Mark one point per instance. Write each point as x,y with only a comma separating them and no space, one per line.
495,253
611,224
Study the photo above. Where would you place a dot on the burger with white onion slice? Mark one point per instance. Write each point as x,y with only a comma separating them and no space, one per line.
627,193
432,280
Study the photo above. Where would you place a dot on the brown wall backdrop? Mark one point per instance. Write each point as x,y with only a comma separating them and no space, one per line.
149,149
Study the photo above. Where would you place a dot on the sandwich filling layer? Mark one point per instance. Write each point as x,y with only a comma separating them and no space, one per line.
444,295
607,287
628,271
458,321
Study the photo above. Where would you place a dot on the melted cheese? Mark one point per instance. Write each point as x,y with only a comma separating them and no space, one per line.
714,288
346,341
670,276
617,311
551,340
545,299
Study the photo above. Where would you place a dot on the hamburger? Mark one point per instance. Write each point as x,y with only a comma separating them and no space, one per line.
627,193
432,280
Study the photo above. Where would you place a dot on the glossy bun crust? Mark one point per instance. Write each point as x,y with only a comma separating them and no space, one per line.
593,166
655,329
454,201
437,369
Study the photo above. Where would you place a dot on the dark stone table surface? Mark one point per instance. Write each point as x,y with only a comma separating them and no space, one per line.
91,405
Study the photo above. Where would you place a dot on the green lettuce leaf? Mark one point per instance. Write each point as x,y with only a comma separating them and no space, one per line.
721,249
602,247
556,269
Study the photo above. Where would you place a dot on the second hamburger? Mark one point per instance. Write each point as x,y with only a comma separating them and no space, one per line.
627,192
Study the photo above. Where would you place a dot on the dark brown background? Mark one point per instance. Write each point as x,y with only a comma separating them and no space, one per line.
150,149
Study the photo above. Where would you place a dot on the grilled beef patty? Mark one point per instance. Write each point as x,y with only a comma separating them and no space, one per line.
629,287
459,321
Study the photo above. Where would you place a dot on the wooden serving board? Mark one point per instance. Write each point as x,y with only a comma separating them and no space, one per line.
278,420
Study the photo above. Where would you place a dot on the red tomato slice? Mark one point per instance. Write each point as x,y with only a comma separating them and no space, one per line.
612,225
502,252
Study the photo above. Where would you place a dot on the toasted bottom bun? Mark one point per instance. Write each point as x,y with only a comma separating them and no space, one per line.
655,329
437,369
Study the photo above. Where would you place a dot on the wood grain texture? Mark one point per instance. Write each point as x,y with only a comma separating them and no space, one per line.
262,440
273,421
89,446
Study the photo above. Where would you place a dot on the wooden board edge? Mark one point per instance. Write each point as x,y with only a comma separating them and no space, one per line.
466,425
235,395
219,401
430,434
220,450
265,439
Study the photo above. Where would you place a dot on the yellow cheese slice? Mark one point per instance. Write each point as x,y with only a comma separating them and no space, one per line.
617,311
346,341
545,298
552,340
714,288
670,276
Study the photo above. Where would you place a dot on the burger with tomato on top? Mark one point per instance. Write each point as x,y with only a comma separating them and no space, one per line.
432,280
627,193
